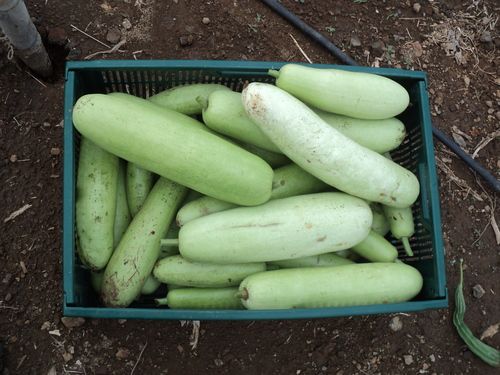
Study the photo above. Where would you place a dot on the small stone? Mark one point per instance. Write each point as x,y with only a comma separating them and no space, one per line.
205,20
7,279
396,324
45,326
459,140
468,355
467,81
13,158
8,297
497,114
355,42
127,25
74,54
408,359
485,37
489,103
490,111
439,99
417,7
113,36
70,322
398,38
432,357
122,321
106,343
478,291
425,366
72,43
378,47
57,36
218,362
55,151
46,124
122,353
418,51
186,40
67,357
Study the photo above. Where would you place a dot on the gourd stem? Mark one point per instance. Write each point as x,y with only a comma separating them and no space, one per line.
273,73
170,242
203,101
161,301
243,294
407,247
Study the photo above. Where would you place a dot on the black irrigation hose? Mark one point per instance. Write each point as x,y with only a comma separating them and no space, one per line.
339,54
309,31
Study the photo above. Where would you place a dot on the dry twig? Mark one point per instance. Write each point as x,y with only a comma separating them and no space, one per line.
138,358
300,49
21,361
480,235
494,225
457,180
36,79
492,208
9,307
90,36
17,212
485,142
195,335
115,48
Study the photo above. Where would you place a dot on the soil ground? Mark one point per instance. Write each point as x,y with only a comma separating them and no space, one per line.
465,96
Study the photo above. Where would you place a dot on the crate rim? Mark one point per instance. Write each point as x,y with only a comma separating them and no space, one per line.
298,314
73,67
228,64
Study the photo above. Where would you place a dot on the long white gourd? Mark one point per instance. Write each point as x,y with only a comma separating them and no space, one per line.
324,152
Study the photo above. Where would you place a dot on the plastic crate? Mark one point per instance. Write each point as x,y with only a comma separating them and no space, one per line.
145,78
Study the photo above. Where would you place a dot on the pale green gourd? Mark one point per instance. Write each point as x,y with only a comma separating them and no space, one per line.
353,94
348,285
158,140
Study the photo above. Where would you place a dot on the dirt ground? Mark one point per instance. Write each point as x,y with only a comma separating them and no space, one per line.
456,42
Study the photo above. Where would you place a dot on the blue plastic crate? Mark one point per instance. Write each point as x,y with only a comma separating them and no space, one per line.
145,78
